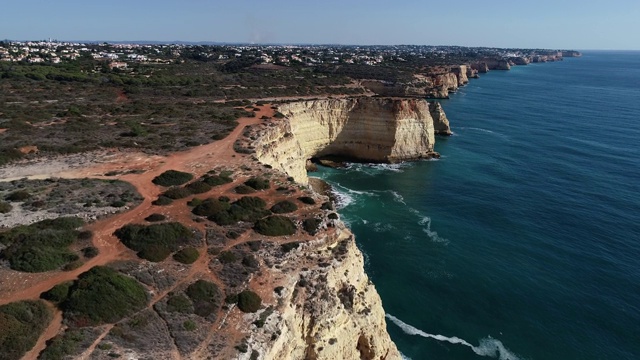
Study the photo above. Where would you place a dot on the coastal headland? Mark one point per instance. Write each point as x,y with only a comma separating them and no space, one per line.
213,244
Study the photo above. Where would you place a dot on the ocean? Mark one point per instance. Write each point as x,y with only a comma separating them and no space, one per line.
523,240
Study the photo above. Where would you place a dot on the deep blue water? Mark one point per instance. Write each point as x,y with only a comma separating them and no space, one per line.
526,233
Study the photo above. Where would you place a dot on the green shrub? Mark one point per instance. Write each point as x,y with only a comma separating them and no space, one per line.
307,200
20,195
118,204
63,345
231,299
72,265
172,178
5,207
249,301
290,246
199,187
333,216
206,297
154,242
21,324
155,217
90,252
194,202
102,295
327,206
244,189
58,293
162,201
311,225
85,235
227,257
275,225
187,255
189,325
215,180
177,193
247,208
42,246
210,207
179,303
283,207
258,183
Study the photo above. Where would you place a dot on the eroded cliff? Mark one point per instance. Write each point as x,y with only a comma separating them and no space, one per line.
327,308
366,129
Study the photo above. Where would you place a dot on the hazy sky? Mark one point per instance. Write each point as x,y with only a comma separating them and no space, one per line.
575,24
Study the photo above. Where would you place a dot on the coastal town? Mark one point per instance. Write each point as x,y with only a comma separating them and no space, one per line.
120,55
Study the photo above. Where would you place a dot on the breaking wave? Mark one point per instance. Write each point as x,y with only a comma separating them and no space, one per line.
374,168
487,347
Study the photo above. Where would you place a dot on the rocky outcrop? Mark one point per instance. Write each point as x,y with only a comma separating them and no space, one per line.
329,310
571,53
440,121
364,129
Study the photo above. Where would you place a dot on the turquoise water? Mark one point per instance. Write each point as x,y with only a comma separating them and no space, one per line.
523,240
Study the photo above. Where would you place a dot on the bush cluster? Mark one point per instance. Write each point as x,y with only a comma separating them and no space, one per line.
187,255
179,303
19,195
154,242
5,207
63,345
247,208
258,183
249,301
21,324
307,200
198,187
206,297
162,201
42,246
58,293
275,225
155,218
284,207
311,225
172,178
102,295
222,212
176,193
244,189
215,180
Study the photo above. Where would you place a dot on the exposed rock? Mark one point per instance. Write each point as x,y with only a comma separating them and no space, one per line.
440,121
366,129
335,314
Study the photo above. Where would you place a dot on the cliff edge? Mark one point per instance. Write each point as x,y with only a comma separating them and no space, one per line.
363,129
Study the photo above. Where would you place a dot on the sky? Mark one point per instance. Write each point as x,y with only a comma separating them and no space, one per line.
554,24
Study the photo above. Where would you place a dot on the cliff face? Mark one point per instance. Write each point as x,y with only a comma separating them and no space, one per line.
367,129
334,311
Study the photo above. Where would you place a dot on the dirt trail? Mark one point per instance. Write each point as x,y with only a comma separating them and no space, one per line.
49,333
198,161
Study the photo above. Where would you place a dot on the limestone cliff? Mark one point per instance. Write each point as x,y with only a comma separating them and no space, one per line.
329,309
366,129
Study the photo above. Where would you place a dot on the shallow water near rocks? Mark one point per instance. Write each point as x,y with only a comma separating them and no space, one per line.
523,240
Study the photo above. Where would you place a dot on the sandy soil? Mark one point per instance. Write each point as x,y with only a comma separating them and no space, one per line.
15,286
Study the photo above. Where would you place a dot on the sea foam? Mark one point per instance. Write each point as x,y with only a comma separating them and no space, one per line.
487,347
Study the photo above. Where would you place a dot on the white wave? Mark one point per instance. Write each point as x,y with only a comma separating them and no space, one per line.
404,357
375,168
342,199
382,227
477,129
487,347
398,198
431,234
